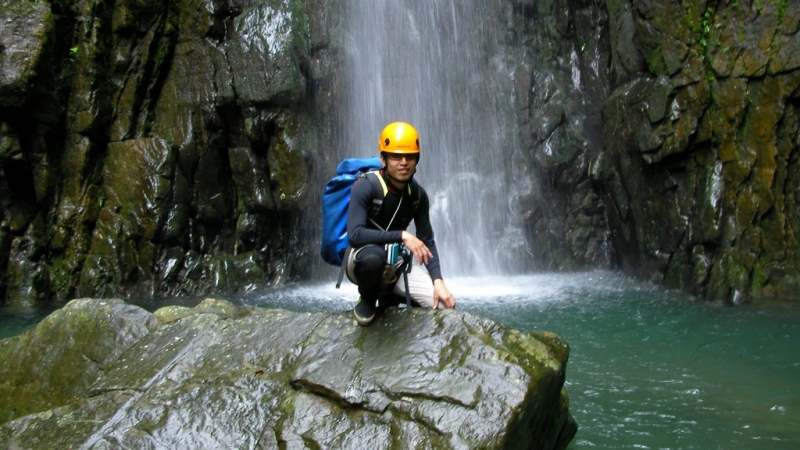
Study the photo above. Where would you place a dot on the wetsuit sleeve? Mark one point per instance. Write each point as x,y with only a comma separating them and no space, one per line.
422,222
358,232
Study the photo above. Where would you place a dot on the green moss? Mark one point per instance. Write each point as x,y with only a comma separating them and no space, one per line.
531,352
758,279
287,164
781,7
300,30
706,23
651,50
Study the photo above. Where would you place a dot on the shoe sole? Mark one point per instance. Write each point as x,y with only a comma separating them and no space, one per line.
362,321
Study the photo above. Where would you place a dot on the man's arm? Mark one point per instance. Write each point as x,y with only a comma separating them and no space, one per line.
422,221
425,234
358,233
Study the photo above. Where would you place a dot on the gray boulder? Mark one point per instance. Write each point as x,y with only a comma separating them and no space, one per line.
105,374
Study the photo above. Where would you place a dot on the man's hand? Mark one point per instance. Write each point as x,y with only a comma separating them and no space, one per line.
417,248
442,294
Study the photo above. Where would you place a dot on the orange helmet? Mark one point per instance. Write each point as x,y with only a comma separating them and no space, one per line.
399,137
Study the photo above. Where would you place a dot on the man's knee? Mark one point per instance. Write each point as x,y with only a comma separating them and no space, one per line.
369,264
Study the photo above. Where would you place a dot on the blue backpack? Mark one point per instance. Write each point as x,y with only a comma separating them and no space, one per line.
335,201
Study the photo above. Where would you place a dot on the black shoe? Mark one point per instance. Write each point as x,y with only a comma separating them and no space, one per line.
364,311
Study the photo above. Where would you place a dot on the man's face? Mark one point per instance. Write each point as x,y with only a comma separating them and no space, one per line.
400,166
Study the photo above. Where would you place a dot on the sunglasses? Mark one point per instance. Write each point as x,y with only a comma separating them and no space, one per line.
399,156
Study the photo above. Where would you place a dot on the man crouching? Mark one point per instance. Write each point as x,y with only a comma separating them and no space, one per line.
376,227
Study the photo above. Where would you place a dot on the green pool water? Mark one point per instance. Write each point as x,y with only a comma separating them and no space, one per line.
652,369
15,320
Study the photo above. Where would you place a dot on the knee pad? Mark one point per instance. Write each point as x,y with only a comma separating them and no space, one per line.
369,264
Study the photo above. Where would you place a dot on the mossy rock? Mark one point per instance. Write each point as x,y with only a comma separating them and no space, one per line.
275,376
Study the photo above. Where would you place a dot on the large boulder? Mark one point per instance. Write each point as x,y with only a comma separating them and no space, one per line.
102,373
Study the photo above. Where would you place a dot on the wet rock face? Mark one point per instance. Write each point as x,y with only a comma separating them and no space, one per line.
700,168
219,376
151,147
561,81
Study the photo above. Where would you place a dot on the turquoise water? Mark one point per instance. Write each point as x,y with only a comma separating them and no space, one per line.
15,320
651,369
648,369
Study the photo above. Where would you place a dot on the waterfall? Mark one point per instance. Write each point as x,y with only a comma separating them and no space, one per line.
443,67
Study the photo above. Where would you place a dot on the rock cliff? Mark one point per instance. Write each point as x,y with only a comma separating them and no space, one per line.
665,141
103,373
151,147
174,148
700,168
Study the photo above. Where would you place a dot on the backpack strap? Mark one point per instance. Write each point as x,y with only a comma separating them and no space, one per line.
414,191
406,268
343,267
379,191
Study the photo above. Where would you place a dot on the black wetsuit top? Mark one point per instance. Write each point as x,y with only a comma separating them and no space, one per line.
360,231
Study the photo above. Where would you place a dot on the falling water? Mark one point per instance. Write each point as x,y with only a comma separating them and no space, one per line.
441,66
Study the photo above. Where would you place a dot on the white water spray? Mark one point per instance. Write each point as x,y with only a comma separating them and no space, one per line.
442,66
